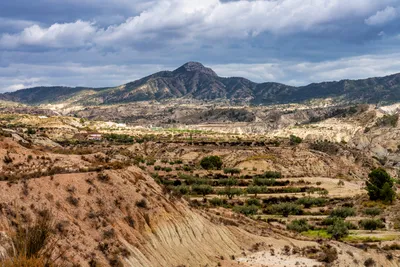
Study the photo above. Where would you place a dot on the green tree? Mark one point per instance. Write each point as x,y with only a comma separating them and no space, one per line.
379,186
230,192
338,229
254,190
211,163
202,189
232,171
298,226
371,224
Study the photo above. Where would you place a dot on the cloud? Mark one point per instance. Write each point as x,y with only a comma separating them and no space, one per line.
17,76
183,21
75,34
382,16
303,72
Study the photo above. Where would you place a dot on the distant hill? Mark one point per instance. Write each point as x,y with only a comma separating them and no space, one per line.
193,80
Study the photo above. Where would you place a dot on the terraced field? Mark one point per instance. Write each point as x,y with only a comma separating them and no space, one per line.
307,206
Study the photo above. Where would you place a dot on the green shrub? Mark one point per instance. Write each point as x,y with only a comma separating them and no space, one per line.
371,224
343,212
388,120
246,210
294,140
309,202
202,189
232,171
338,229
256,190
216,201
228,182
298,226
230,192
284,209
253,202
271,174
187,168
211,163
372,211
182,189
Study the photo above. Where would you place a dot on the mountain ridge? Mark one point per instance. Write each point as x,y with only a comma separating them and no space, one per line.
195,81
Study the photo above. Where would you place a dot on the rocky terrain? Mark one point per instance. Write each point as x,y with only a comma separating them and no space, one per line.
119,176
130,199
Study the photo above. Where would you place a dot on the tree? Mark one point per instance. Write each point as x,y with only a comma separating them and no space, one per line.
230,192
338,229
379,186
298,226
202,189
254,190
232,171
211,163
371,224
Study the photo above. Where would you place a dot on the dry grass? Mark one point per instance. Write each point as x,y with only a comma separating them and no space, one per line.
33,244
23,261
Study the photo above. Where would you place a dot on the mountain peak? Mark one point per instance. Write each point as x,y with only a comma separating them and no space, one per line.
195,67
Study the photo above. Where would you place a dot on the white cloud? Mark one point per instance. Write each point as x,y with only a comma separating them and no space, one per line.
303,73
188,20
382,16
75,34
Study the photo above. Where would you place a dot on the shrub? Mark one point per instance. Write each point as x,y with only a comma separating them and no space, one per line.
168,169
298,226
216,201
271,174
388,120
202,189
142,203
232,171
73,201
103,177
31,243
211,163
370,262
338,229
230,192
371,224
326,147
253,202
308,202
256,190
294,140
343,212
187,168
379,186
31,131
284,209
246,210
329,254
182,190
372,211
7,159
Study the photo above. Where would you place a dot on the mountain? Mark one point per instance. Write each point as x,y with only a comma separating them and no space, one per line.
194,81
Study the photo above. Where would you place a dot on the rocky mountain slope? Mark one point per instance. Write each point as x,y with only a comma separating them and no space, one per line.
194,81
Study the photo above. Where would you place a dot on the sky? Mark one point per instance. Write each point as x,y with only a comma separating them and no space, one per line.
101,43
